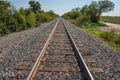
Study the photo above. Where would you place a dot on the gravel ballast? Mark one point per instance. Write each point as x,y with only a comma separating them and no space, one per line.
106,58
17,46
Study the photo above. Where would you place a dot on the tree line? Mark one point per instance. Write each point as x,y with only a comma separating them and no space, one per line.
89,13
12,20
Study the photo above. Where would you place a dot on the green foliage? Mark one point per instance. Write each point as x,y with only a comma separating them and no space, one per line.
112,39
82,19
4,6
4,30
109,36
35,6
12,20
12,25
70,15
110,19
38,19
31,20
97,8
17,22
116,39
89,13
45,17
52,14
92,28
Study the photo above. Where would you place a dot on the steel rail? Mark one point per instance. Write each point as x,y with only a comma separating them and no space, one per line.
79,57
41,54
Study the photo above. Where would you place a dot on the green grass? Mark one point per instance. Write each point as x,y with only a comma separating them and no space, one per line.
111,19
110,38
92,30
114,46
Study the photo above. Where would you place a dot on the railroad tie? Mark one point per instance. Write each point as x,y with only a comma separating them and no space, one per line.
59,68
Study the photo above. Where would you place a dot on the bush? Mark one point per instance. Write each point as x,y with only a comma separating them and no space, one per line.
82,19
4,30
45,17
109,36
117,39
38,21
12,25
12,20
31,20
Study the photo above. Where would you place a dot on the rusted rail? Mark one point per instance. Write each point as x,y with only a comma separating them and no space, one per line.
79,57
38,61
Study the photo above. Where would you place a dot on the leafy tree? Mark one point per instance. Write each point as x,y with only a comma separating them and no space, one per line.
22,11
97,8
4,10
45,17
21,19
89,13
4,16
77,10
82,19
12,20
71,15
52,14
35,6
38,20
4,30
85,10
12,24
31,20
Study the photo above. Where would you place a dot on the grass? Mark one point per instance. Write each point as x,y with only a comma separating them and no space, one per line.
111,19
110,38
92,30
114,46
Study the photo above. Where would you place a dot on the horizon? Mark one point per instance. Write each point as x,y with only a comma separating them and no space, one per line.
66,5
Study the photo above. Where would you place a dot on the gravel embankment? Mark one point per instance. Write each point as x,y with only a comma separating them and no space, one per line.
106,58
17,46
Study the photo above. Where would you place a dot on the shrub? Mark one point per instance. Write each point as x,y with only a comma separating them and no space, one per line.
31,20
82,19
109,36
4,30
117,39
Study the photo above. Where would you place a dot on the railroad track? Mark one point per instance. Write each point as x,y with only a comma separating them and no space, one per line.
59,58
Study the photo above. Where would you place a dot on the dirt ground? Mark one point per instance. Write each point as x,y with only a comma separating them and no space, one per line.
110,27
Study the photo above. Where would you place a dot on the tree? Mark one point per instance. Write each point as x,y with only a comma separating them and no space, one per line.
12,20
85,10
4,10
75,12
31,20
35,6
4,16
97,8
52,14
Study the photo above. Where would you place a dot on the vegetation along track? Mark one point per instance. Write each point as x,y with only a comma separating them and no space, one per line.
60,58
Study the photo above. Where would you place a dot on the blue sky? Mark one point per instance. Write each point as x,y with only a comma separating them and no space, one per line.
62,6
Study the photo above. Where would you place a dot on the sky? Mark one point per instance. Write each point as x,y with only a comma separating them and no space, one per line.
62,6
